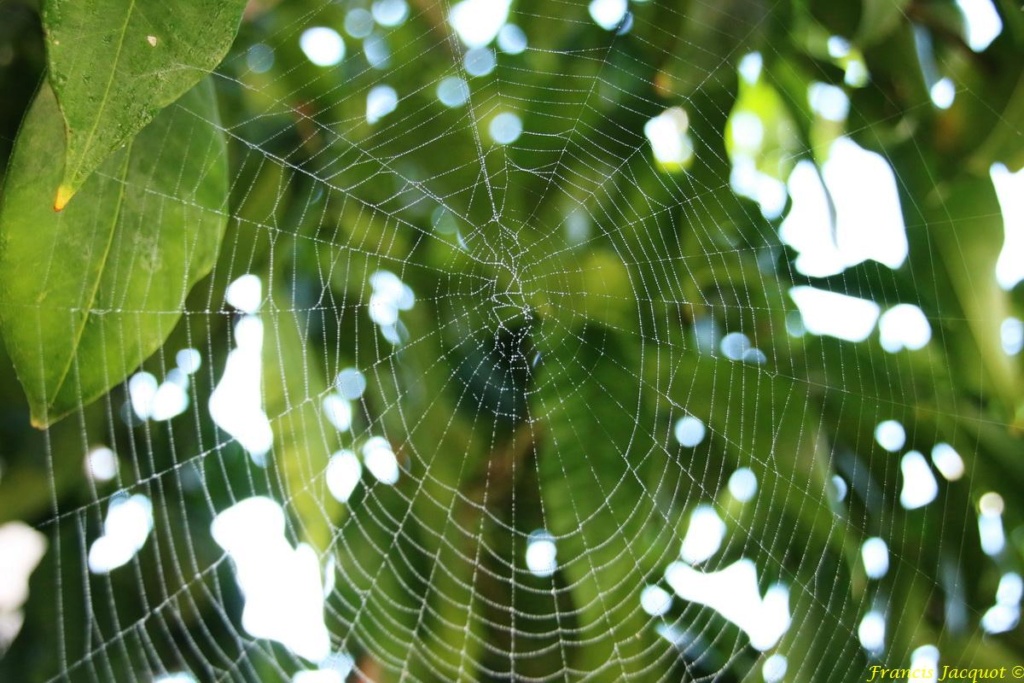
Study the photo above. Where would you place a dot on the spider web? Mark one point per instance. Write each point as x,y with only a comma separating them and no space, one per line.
501,375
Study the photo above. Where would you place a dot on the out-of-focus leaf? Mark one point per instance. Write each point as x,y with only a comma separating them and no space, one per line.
89,293
838,18
963,239
455,643
27,489
378,598
609,534
878,18
896,98
1003,142
114,64
711,37
303,438
774,151
599,290
868,280
779,438
982,124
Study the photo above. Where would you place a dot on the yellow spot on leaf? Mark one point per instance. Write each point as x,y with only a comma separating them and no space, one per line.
64,195
151,40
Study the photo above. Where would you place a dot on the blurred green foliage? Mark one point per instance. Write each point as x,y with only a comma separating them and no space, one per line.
564,284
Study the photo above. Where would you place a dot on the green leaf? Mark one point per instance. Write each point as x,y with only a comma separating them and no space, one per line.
294,388
878,18
114,64
87,294
592,463
964,236
712,35
777,149
779,438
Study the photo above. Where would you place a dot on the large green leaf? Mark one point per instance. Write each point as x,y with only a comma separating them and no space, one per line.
609,530
878,18
114,64
963,234
294,388
87,294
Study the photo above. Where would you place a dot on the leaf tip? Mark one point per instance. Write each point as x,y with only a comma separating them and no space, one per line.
64,195
39,422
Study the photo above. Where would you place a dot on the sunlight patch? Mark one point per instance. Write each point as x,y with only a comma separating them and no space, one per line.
142,388
1010,190
343,474
608,14
390,13
171,398
245,293
336,668
925,659
704,535
380,460
983,23
835,315
358,23
377,52
282,588
874,553
864,228
943,93
161,401
260,58
872,632
947,461
477,22
322,46
1005,614
735,345
380,101
236,404
655,600
919,485
125,530
670,140
990,524
578,228
350,384
904,326
839,488
869,220
511,39
828,101
733,593
689,431
453,91
21,549
1011,333
176,677
505,128
390,296
101,464
189,361
774,668
541,554
890,435
338,411
479,61
743,484
750,67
